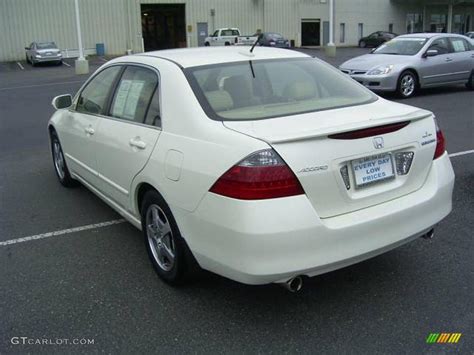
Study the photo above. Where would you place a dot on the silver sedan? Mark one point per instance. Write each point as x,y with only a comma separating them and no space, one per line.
40,52
414,61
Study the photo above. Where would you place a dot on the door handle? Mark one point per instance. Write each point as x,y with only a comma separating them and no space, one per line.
137,143
449,59
89,130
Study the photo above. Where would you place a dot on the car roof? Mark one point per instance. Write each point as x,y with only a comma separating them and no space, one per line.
429,35
192,57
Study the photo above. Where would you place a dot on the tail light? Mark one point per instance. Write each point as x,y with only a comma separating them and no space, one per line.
440,143
262,175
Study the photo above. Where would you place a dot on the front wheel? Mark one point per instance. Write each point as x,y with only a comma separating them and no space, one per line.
207,44
362,44
168,252
60,166
407,84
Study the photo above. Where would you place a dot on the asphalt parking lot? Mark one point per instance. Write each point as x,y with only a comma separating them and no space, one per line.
97,283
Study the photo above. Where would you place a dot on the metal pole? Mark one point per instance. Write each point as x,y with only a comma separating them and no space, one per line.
331,23
79,35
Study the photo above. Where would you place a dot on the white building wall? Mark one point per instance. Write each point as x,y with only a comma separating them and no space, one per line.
117,23
25,21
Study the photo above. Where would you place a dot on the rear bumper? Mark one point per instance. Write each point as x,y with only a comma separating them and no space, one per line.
48,59
377,82
258,242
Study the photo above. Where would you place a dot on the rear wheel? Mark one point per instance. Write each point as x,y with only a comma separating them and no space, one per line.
362,44
207,44
60,166
227,43
407,84
168,252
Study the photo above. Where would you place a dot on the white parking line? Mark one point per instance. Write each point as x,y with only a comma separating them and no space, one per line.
66,64
461,153
61,232
21,66
38,85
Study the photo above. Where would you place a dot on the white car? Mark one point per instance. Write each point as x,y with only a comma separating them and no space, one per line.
229,37
261,167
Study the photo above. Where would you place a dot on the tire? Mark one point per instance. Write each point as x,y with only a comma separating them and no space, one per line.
207,44
470,83
227,44
167,250
59,163
59,62
407,84
362,44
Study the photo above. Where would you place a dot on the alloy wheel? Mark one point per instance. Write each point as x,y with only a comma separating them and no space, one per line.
407,85
59,159
160,237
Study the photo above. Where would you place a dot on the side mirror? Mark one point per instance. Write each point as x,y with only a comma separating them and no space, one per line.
431,53
62,101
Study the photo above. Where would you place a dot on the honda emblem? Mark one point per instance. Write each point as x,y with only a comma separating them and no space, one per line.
378,143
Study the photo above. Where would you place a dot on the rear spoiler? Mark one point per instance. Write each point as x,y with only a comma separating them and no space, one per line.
326,131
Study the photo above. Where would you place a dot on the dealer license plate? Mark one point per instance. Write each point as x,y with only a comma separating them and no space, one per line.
373,169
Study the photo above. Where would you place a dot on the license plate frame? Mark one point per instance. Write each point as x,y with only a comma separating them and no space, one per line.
373,169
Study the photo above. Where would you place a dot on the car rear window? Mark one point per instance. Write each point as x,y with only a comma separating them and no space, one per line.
46,45
263,89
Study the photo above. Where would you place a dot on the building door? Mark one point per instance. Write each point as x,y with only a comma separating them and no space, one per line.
163,26
201,33
310,32
325,33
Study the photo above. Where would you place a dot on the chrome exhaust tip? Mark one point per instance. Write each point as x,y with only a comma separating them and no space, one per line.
428,235
294,284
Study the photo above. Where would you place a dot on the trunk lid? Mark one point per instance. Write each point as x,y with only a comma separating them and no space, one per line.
307,144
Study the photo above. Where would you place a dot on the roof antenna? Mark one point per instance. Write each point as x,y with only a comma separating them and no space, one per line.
260,36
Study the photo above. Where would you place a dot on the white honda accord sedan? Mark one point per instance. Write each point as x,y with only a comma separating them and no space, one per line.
262,167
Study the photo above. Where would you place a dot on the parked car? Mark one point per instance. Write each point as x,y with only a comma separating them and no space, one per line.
228,37
272,39
260,170
376,39
41,52
414,61
470,35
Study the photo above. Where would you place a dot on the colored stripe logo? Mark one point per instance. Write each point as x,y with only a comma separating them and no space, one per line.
441,338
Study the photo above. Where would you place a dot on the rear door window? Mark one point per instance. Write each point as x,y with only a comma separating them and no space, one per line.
133,94
459,44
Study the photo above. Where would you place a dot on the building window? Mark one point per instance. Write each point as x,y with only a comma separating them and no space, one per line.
342,33
438,22
361,30
414,23
390,27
